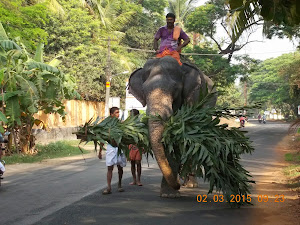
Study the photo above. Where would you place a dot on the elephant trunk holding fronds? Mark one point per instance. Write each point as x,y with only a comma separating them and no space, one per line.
163,85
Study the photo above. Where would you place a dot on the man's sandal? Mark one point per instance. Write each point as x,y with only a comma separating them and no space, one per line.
120,189
106,192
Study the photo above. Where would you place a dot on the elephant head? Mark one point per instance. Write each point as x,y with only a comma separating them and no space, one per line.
163,85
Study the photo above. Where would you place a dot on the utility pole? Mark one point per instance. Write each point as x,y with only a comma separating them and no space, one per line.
245,95
108,78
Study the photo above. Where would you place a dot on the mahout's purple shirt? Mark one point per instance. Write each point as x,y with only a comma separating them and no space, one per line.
167,40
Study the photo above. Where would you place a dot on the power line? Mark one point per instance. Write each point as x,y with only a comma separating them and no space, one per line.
200,54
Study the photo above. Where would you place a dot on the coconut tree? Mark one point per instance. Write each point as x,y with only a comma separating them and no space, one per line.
245,14
181,8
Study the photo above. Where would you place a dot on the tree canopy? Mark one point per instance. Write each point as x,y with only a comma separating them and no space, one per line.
76,32
275,83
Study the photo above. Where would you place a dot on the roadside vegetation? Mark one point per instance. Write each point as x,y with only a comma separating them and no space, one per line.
52,150
56,50
292,172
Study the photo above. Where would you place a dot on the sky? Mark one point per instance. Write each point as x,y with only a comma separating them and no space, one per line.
264,48
267,48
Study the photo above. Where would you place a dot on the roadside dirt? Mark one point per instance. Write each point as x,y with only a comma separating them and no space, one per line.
292,209
234,123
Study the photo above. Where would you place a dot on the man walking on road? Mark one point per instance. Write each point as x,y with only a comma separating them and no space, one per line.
112,158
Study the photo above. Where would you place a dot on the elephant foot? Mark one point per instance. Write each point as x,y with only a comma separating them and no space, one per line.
169,193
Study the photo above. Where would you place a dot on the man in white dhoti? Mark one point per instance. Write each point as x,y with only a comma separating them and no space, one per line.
112,158
2,168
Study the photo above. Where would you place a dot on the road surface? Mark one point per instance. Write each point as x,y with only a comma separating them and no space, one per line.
67,191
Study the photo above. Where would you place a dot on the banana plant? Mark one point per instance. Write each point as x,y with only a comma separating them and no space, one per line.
27,86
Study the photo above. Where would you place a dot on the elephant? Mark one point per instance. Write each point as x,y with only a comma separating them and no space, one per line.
163,86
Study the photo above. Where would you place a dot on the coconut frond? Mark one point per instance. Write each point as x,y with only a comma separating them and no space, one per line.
194,137
116,133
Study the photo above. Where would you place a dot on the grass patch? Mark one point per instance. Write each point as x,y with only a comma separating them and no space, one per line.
288,157
76,142
292,171
292,157
52,150
293,174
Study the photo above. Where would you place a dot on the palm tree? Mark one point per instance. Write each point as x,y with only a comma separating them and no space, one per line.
181,8
108,14
245,14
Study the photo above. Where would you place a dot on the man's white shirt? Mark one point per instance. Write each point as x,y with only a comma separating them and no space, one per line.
2,168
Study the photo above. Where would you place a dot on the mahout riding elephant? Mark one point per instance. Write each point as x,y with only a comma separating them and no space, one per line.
163,85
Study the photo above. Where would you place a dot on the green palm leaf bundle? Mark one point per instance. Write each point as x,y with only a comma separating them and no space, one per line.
209,150
193,137
116,133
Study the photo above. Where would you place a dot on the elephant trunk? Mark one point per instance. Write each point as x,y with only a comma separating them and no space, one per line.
160,103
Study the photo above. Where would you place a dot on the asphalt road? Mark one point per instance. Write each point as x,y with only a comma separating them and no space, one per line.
68,192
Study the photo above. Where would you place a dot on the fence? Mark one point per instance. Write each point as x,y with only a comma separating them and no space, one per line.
78,113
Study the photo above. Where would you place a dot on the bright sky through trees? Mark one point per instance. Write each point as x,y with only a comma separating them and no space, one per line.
264,48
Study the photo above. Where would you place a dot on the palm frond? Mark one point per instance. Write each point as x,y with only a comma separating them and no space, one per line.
193,137
242,17
116,133
207,149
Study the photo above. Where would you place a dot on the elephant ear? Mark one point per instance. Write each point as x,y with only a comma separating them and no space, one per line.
135,85
193,80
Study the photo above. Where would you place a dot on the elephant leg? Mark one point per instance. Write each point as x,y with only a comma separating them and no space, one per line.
166,191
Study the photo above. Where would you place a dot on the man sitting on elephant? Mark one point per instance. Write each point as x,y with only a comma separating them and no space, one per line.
170,39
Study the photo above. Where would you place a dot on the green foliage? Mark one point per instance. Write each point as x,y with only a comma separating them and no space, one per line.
204,18
29,86
230,97
139,33
155,7
216,67
193,137
116,133
207,18
80,36
295,157
209,150
114,14
181,8
274,83
36,85
77,27
52,150
281,15
24,21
